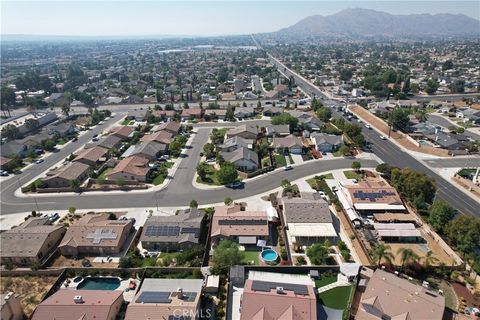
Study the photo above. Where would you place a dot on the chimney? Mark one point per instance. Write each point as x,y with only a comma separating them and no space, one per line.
280,290
78,299
180,293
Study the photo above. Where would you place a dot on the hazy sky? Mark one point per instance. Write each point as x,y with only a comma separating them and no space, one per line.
190,18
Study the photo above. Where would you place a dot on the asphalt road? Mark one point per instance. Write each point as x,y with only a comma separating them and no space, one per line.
392,154
179,191
442,122
454,163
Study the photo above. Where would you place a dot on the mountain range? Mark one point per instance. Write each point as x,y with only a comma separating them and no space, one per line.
356,22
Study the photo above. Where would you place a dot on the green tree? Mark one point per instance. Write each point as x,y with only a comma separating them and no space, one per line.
344,150
382,252
209,150
464,233
429,259
398,119
440,213
458,86
285,118
447,65
10,131
48,144
406,86
75,184
66,110
31,124
356,165
318,254
228,201
227,173
324,113
226,254
193,204
202,170
407,256
413,185
385,169
432,86
262,148
72,210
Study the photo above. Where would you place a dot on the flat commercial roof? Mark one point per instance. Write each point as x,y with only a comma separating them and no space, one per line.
394,226
401,217
311,230
399,233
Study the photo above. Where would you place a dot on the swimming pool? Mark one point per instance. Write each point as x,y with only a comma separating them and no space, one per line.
99,283
269,255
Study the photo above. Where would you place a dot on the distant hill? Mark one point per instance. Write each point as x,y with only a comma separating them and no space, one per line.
370,23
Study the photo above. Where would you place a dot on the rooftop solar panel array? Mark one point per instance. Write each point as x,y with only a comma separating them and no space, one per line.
195,231
372,196
161,231
266,286
250,222
154,297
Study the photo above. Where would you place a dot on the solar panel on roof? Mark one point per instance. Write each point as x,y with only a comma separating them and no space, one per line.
189,296
266,286
190,230
154,297
162,231
242,222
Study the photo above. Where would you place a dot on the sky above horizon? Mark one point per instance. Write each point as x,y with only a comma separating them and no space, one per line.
196,18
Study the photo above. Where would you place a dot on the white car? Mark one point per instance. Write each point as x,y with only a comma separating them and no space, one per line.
368,126
383,137
38,161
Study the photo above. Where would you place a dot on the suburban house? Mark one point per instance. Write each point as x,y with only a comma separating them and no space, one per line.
60,129
309,220
244,112
277,130
166,299
243,159
96,234
15,149
150,150
57,99
5,162
162,136
137,115
325,142
288,144
123,132
132,168
219,114
449,142
92,157
191,113
246,131
468,114
66,176
234,143
164,114
109,142
388,296
172,127
10,307
245,227
172,233
269,295
80,304
32,241
270,111
373,196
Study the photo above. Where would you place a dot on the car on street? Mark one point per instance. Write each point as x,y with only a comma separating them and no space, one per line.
17,172
235,185
4,173
383,137
75,139
368,126
53,217
39,161
288,167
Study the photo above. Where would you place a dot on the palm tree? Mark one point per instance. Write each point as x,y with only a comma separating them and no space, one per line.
380,252
407,255
429,259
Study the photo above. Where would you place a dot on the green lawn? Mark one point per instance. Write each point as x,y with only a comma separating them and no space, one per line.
251,256
211,178
337,153
336,298
125,122
61,142
104,173
350,174
158,180
280,159
326,280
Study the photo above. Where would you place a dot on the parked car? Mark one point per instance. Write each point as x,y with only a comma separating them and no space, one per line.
383,137
368,126
288,167
4,173
75,139
235,185
39,161
53,217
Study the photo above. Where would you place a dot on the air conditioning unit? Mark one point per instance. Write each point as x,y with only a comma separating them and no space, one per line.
78,299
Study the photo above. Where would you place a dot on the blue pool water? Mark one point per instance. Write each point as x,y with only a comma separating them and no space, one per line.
97,283
269,255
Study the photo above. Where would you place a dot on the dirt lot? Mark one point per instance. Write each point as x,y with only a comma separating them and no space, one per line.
399,137
30,289
62,261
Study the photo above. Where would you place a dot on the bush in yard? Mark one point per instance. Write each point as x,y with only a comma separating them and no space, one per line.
193,204
226,254
227,173
228,201
318,254
356,165
283,254
301,261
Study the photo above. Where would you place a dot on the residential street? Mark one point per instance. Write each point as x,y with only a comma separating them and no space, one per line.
441,121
